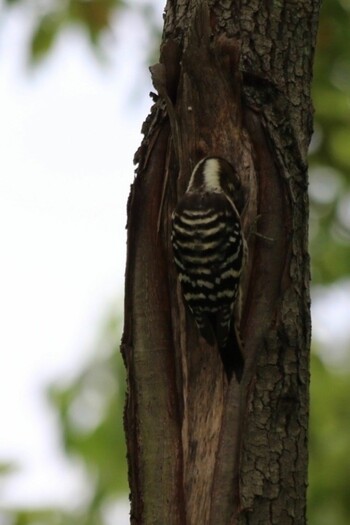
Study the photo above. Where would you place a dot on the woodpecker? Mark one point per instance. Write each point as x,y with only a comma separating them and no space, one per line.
209,253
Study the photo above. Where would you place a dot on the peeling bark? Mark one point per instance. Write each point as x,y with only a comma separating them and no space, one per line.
233,81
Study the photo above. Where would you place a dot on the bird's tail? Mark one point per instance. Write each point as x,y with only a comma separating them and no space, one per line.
229,345
231,355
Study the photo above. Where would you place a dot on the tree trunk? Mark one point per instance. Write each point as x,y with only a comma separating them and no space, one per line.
233,81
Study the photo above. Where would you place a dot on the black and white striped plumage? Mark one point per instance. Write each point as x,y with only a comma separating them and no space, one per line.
208,247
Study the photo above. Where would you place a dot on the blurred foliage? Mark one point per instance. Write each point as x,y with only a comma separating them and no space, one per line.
52,17
96,18
37,517
330,147
329,465
90,407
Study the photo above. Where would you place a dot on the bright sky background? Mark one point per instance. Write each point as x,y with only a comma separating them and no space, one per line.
68,133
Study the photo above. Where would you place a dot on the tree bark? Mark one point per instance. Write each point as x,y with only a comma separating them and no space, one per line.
233,81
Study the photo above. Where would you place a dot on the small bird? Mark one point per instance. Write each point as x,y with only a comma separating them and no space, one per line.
209,253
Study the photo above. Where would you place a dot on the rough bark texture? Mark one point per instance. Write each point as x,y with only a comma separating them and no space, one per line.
233,81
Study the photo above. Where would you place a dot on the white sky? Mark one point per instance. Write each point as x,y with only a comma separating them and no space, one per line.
68,132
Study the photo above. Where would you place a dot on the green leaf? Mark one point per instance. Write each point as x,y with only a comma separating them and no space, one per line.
44,36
